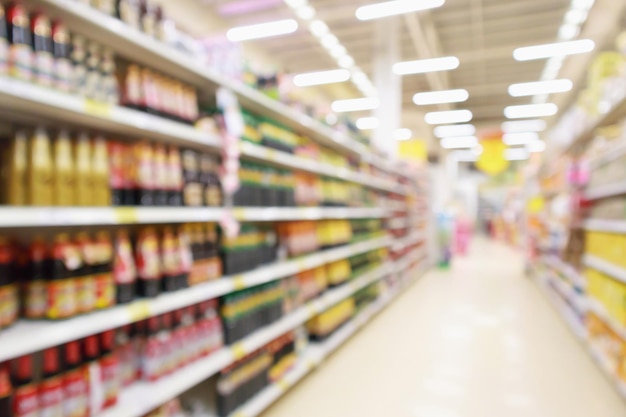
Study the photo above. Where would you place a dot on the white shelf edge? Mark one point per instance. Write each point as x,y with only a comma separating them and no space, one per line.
565,312
411,239
609,226
87,216
152,395
603,363
605,191
606,267
599,310
566,269
56,333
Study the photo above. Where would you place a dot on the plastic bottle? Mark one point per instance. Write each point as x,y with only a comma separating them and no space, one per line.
170,260
64,180
151,367
148,263
39,187
160,175
124,269
75,383
175,177
37,271
26,392
84,173
110,369
100,172
41,32
6,391
51,387
86,277
8,292
15,167
144,170
91,370
105,283
20,48
4,42
78,58
62,281
61,46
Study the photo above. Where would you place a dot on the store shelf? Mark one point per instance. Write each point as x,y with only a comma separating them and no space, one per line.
565,269
35,101
56,333
86,216
605,366
606,267
410,240
609,226
611,154
564,310
605,191
141,398
599,310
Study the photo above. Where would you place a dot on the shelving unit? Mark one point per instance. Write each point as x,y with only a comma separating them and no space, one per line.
605,191
608,268
609,226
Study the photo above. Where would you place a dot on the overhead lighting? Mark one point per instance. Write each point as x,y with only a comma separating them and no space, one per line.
454,130
422,66
448,117
346,61
520,126
321,77
262,30
441,97
402,134
329,40
568,32
305,12
338,51
540,87
478,150
357,104
554,49
460,142
536,146
394,8
516,154
294,4
516,139
531,110
318,28
464,156
367,123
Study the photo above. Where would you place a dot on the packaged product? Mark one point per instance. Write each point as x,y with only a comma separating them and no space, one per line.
39,170
20,42
41,33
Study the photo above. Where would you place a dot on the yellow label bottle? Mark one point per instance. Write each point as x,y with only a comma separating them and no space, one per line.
84,173
39,185
100,172
63,179
15,164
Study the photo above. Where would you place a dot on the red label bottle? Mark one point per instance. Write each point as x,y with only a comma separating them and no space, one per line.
6,391
26,393
51,388
109,368
75,383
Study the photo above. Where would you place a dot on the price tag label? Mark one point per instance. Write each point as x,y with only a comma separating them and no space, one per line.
283,385
126,215
96,108
139,310
270,154
240,414
239,351
311,310
239,282
239,214
302,264
310,364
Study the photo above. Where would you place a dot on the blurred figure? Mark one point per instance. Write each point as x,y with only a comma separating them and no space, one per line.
462,234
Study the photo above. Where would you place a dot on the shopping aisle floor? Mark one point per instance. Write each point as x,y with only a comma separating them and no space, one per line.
477,341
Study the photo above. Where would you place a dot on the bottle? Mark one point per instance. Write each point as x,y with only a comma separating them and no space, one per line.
175,178
15,169
170,261
93,374
20,48
86,276
128,12
26,392
62,283
105,284
124,269
185,256
151,366
110,369
8,290
39,184
84,170
130,173
144,170
64,181
117,173
51,387
109,77
100,172
78,58
4,42
75,383
148,18
132,94
6,391
148,263
37,270
93,80
41,32
61,46
160,171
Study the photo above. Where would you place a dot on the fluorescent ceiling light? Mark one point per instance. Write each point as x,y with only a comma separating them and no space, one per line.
422,66
523,138
516,154
346,61
520,126
318,28
540,87
448,117
338,51
329,40
296,3
478,150
464,156
305,12
321,77
460,142
441,97
568,32
536,146
394,8
554,49
367,123
357,104
454,130
262,30
402,134
531,110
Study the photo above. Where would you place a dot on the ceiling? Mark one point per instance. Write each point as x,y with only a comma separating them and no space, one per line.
481,33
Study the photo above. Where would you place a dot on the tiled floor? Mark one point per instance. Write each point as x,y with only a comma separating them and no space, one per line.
477,341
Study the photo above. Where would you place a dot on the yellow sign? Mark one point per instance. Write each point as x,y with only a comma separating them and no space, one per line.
412,150
492,160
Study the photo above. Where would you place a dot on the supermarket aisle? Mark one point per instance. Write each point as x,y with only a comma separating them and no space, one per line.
479,341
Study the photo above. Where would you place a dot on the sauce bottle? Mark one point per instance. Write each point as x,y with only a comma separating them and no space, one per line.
105,284
109,368
37,270
91,370
41,31
109,78
86,275
116,170
144,169
15,168
26,392
20,48
124,269
63,178
75,383
131,88
78,58
6,391
151,365
62,284
4,43
100,172
160,175
170,261
174,178
130,169
148,263
39,171
8,290
84,172
51,387
61,45
126,355
93,77
185,256
128,12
